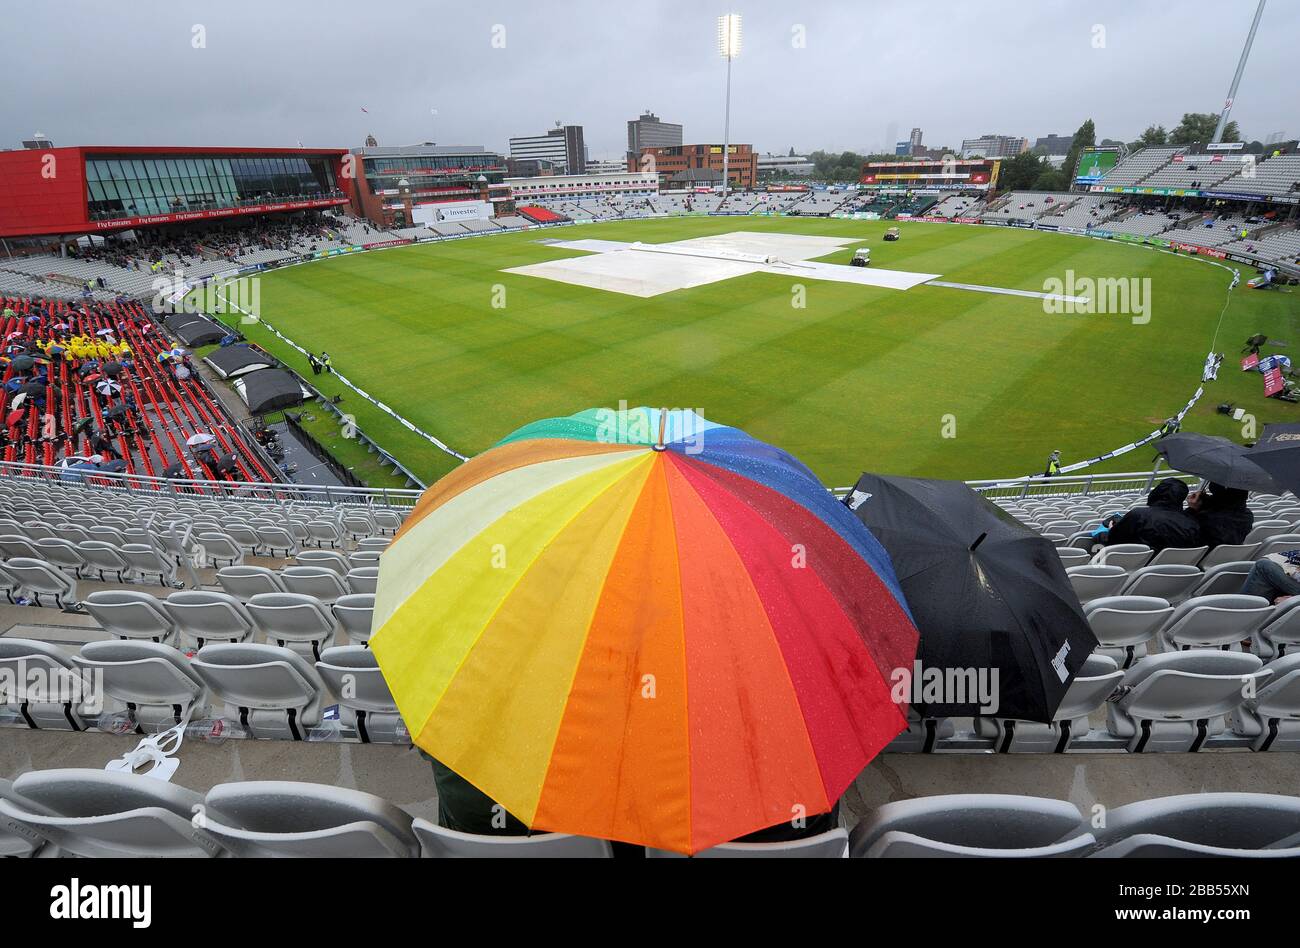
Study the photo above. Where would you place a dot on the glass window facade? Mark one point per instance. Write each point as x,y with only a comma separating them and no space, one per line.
138,187
433,172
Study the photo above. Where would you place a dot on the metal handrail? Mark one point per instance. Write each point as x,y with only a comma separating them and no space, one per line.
278,493
1001,488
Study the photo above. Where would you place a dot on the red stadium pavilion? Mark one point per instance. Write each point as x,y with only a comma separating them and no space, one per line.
101,189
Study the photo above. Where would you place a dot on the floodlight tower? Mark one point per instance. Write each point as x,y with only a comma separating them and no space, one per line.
1236,79
728,49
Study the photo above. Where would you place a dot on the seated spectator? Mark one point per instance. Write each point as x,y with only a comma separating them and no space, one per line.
1161,523
787,832
467,809
1275,577
1222,514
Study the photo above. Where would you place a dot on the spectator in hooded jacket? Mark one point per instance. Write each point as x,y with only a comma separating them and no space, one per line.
1222,514
1161,523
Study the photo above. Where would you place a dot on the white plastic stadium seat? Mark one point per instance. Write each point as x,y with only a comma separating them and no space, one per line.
351,672
330,559
1071,556
1087,694
219,549
1229,553
31,671
1271,718
1254,825
1175,700
209,616
1276,544
921,735
245,582
280,818
833,844
990,825
1170,581
1213,622
1222,579
156,681
274,691
319,582
17,840
354,613
437,842
1280,634
146,562
1129,556
1178,555
43,581
1125,624
128,614
301,622
104,559
109,814
363,579
1094,582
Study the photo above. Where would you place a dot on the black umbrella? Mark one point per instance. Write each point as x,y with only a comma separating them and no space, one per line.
23,363
1216,459
36,389
175,471
1278,453
112,369
988,594
117,411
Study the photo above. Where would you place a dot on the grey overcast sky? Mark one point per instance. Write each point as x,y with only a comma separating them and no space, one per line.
833,74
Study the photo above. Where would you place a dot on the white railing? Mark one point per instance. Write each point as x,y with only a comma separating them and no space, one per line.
271,493
997,489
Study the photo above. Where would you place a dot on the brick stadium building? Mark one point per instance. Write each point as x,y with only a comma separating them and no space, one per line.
452,178
677,161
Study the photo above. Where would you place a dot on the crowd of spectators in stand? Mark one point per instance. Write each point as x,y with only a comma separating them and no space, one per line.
225,239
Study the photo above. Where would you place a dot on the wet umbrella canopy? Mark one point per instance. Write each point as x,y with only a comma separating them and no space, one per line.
112,369
1278,453
23,363
1218,460
990,598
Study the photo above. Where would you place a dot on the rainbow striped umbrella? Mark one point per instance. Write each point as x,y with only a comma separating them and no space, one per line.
642,626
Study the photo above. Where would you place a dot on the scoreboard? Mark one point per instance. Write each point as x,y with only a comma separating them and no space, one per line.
940,174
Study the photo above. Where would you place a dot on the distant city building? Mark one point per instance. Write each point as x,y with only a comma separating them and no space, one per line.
993,146
673,161
1053,144
606,166
649,132
531,167
576,186
562,146
784,165
433,174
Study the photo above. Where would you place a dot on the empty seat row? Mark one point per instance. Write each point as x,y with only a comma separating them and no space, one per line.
1172,581
196,617
1171,702
92,813
271,691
